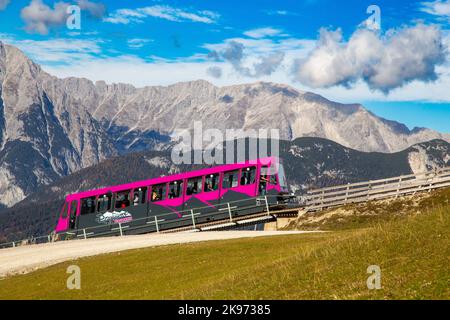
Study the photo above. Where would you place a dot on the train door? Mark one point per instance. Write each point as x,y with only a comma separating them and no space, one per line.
173,205
138,209
263,182
73,214
210,197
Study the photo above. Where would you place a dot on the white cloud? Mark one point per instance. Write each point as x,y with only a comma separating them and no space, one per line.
4,4
263,32
125,16
439,8
137,43
384,63
95,9
62,51
280,13
39,17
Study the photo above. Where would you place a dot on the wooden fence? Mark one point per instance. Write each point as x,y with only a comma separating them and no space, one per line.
319,199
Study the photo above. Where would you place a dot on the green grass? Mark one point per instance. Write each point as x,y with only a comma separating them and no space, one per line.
413,253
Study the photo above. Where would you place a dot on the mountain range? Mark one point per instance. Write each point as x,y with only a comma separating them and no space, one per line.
52,127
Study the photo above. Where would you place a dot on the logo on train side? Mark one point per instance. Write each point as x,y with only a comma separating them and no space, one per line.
114,217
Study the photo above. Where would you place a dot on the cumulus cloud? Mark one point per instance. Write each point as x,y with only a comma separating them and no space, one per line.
268,64
383,62
95,9
3,4
234,53
214,71
39,17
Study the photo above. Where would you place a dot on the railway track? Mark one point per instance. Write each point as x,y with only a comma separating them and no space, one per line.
239,221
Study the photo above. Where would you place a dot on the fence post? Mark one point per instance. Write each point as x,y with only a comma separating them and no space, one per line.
120,229
368,189
193,218
267,205
398,187
156,223
346,192
14,244
229,212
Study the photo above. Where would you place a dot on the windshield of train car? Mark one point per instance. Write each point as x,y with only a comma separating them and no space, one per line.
230,179
88,205
175,189
282,177
212,182
248,176
158,192
194,186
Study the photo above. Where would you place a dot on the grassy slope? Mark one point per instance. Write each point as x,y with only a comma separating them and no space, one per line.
366,214
412,251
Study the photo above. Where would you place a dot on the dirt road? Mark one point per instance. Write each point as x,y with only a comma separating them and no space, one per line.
29,258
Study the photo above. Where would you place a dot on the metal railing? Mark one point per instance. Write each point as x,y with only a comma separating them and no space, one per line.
377,189
186,218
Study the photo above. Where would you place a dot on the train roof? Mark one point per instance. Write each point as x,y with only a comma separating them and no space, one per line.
173,177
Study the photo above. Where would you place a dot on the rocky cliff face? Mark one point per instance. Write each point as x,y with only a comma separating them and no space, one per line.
40,140
52,127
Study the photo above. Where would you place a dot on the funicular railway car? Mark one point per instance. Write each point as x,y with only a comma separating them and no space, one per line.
175,201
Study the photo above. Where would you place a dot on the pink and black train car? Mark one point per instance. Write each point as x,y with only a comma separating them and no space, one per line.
172,201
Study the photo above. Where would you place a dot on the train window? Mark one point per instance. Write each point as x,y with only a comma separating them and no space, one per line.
263,180
211,182
139,196
194,186
230,179
248,175
88,205
273,173
175,189
73,207
158,192
104,202
122,199
282,177
273,179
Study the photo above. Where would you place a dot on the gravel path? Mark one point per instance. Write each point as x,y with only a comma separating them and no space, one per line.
29,258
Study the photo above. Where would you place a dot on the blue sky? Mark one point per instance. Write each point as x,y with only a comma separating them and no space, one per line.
399,69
